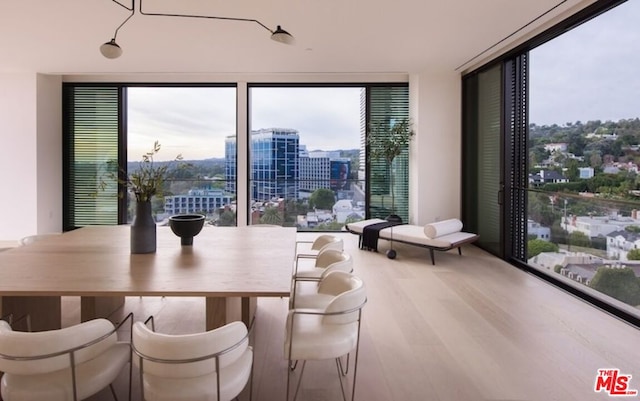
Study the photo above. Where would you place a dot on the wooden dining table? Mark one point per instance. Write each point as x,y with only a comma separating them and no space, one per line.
230,267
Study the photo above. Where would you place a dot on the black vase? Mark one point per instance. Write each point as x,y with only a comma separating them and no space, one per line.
143,229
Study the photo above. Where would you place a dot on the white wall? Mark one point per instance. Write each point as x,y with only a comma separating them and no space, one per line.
31,160
435,108
18,165
49,151
31,155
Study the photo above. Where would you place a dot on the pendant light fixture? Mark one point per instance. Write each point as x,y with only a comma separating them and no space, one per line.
111,49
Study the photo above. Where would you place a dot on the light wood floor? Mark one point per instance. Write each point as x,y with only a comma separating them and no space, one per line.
470,328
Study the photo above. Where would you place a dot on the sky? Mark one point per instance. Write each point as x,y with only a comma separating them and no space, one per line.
589,73
193,122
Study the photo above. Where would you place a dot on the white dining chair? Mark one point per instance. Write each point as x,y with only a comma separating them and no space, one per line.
212,365
322,242
35,238
330,332
318,294
327,260
71,363
12,320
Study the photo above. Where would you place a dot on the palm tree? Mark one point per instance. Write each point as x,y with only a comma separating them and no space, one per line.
271,215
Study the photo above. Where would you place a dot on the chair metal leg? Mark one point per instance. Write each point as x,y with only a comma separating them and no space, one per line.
251,378
113,392
344,371
289,373
340,375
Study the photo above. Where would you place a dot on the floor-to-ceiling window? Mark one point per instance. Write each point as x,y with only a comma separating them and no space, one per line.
122,123
194,123
306,152
483,182
307,155
584,156
570,136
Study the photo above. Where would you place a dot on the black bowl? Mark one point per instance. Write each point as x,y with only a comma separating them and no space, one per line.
186,226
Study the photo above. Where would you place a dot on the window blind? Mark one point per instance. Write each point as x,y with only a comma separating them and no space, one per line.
387,105
489,158
90,129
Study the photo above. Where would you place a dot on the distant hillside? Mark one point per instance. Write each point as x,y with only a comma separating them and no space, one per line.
215,166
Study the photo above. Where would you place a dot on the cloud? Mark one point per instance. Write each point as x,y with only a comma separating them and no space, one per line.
590,72
194,121
326,118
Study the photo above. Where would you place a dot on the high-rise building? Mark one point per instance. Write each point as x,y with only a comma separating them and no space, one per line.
274,164
315,170
230,163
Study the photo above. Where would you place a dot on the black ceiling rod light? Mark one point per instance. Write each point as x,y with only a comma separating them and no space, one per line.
111,49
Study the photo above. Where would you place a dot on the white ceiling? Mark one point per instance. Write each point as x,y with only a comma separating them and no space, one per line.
333,36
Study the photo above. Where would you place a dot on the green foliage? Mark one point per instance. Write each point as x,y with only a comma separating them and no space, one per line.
292,209
578,238
271,215
558,234
633,254
537,246
599,242
575,186
322,198
557,268
632,229
226,219
386,142
329,226
540,209
597,152
619,283
572,172
146,181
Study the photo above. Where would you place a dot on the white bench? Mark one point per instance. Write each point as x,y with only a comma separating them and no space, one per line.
439,236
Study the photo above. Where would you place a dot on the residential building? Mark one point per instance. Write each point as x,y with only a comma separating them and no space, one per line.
584,173
345,209
204,201
547,177
541,232
597,226
620,242
556,147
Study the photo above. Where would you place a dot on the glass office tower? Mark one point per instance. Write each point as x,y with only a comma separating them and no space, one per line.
274,164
